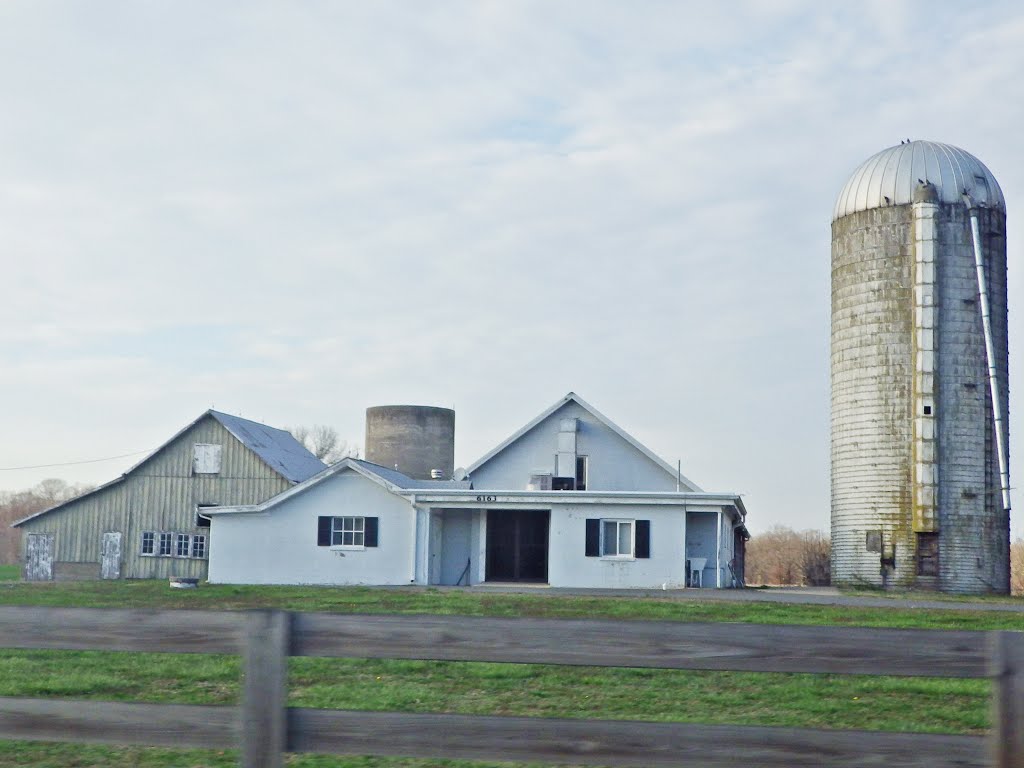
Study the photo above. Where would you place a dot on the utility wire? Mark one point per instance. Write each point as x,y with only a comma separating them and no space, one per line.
73,463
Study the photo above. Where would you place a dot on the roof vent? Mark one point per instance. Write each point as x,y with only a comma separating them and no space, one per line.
437,474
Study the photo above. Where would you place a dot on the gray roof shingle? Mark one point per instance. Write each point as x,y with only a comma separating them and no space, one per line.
281,452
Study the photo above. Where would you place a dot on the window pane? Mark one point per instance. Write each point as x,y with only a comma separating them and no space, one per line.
610,537
347,538
357,538
165,543
198,546
148,542
625,538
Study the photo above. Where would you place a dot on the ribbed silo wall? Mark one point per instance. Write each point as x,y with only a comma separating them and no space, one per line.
415,439
974,529
873,403
872,367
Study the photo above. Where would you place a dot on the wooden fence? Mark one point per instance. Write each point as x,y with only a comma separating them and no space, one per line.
264,727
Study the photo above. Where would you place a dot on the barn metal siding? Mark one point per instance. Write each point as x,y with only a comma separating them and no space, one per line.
160,494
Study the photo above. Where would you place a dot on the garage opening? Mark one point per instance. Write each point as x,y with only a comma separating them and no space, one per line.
517,545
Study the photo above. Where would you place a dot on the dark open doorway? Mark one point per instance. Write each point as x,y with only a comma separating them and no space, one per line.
517,545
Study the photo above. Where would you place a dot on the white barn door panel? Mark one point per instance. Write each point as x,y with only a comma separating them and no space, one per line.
39,557
110,556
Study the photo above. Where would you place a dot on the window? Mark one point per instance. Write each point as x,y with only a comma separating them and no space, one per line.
348,531
618,538
354,532
173,544
581,473
206,459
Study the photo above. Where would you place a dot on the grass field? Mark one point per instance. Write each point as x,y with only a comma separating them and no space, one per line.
823,701
10,572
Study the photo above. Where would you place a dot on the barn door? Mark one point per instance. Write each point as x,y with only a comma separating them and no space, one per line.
110,556
39,557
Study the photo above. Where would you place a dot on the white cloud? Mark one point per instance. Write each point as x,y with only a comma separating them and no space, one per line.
300,211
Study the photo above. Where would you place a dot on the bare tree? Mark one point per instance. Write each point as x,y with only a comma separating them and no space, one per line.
323,442
1017,567
782,556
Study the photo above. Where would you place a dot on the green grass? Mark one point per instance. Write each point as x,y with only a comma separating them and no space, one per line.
819,701
156,594
10,572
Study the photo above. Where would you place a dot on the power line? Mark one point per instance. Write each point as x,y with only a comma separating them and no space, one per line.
73,463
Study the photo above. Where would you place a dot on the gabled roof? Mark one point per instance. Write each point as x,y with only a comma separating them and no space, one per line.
391,479
572,397
276,447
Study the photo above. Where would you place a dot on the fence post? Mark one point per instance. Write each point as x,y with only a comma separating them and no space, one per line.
1006,667
264,713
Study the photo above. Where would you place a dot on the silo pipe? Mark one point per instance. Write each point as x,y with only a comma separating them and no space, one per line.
993,378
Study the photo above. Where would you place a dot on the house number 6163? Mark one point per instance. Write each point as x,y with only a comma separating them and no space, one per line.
486,498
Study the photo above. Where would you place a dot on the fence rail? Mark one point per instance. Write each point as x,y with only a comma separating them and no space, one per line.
264,727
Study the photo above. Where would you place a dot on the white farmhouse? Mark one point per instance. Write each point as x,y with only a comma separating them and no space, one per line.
570,500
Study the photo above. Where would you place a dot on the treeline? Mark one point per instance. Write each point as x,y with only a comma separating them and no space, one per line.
1017,567
782,556
15,505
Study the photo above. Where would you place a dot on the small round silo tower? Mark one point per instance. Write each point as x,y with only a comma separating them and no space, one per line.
418,440
920,479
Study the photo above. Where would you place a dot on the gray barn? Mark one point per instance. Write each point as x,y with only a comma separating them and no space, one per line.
148,523
920,485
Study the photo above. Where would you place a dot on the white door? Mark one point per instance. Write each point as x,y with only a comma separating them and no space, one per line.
110,556
39,557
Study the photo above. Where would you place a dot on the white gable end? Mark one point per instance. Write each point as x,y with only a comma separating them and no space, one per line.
611,461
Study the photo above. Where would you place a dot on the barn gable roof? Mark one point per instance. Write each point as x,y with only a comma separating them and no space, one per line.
277,448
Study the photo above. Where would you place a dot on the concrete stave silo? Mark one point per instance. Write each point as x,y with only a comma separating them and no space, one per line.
918,496
418,440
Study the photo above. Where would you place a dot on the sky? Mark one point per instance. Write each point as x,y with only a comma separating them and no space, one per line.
294,211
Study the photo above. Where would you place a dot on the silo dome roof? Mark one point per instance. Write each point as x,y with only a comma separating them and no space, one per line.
891,176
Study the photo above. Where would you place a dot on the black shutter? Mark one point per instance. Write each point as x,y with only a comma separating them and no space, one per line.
593,538
370,537
323,531
643,538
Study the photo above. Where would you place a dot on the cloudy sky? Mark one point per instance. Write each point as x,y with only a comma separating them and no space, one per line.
293,211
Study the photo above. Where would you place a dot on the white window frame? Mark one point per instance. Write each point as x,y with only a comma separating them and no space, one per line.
356,528
174,541
616,555
182,541
163,536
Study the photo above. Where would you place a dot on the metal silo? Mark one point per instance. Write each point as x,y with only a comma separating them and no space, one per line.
920,480
418,440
